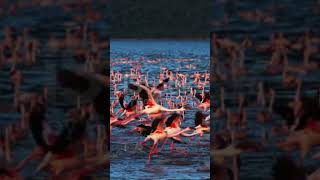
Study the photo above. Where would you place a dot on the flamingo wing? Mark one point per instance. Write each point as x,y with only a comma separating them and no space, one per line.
170,119
198,118
144,90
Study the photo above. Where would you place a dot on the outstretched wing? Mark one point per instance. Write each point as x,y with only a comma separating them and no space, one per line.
170,119
146,93
155,124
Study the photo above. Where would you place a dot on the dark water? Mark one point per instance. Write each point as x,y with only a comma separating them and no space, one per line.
43,22
128,160
292,18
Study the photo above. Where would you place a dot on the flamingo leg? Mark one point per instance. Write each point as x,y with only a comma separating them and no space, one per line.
162,146
150,153
172,146
155,150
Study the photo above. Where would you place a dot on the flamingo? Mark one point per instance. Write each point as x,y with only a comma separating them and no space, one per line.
172,127
45,148
128,110
159,135
204,99
200,128
152,107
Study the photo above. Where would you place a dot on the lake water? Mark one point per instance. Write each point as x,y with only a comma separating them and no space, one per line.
129,161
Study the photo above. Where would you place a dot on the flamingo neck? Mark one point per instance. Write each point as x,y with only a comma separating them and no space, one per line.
178,133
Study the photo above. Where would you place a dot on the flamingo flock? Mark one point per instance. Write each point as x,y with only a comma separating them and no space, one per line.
31,145
283,106
156,110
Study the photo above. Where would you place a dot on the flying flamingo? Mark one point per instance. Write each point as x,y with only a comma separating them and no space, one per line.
159,135
152,107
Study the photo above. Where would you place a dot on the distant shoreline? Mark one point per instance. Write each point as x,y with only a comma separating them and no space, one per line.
117,37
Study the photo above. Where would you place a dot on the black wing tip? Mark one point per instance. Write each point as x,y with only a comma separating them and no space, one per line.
155,123
170,120
199,116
